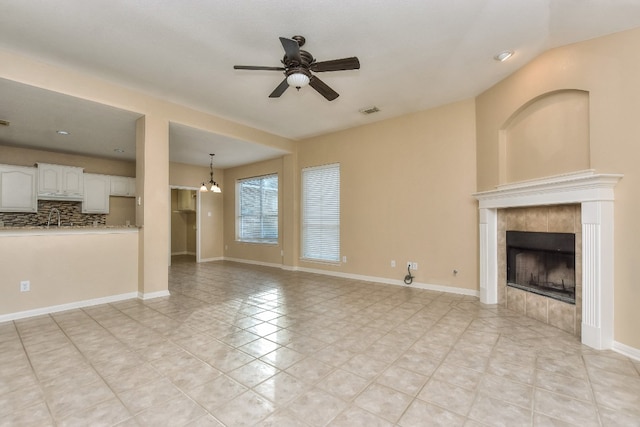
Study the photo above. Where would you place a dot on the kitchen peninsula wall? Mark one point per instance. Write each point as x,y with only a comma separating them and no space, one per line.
121,209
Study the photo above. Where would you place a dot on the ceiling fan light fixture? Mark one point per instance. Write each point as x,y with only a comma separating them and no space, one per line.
299,66
298,80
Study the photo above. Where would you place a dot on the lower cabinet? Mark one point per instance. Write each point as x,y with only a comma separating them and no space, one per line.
18,189
96,193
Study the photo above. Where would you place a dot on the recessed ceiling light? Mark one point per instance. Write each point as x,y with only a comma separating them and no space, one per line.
63,132
118,150
504,55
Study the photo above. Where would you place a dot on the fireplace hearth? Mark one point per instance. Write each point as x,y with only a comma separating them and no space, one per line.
542,263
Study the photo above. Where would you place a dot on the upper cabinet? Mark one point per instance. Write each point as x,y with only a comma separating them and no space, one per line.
18,189
123,186
187,200
57,182
96,193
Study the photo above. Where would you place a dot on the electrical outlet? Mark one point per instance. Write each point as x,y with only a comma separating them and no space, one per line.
25,286
393,263
414,265
344,258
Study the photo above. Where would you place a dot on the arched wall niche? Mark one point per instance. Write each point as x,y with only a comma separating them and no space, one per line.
549,135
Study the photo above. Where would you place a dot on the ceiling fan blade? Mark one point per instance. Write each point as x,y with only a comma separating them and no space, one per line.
323,89
291,49
336,65
280,89
257,67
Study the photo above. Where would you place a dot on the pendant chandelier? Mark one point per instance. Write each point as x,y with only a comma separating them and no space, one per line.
213,186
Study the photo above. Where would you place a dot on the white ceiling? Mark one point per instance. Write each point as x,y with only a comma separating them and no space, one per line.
414,55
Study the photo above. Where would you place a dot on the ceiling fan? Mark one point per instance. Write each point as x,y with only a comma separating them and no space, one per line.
298,65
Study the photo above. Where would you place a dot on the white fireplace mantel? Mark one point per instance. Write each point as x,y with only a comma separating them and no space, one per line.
595,194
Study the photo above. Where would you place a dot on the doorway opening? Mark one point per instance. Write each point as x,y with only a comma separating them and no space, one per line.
184,229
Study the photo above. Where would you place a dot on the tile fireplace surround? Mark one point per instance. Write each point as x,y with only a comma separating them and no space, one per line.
545,308
594,192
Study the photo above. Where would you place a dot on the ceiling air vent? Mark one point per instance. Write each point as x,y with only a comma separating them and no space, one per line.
4,123
370,110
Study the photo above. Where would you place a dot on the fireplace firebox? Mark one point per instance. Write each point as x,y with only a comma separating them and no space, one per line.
542,263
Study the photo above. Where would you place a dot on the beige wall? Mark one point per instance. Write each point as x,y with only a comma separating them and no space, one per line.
29,157
122,210
66,268
548,136
607,69
406,188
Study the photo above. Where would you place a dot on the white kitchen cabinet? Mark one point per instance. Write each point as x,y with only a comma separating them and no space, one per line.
187,200
123,186
18,189
96,193
58,182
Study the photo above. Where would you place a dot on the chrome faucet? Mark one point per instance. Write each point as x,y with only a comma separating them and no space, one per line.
53,210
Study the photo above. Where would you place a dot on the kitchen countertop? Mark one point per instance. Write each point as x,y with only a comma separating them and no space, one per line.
74,229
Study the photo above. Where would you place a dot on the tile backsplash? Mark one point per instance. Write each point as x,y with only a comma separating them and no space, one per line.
70,214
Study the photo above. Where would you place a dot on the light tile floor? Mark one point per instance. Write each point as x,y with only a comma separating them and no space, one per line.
242,345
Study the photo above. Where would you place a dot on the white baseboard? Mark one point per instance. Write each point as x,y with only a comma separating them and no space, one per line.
248,261
152,295
383,280
626,350
68,306
211,259
386,281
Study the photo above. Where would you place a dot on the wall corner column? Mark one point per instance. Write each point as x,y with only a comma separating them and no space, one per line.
152,205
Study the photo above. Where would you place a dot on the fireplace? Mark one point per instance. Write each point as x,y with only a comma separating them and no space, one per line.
542,263
594,192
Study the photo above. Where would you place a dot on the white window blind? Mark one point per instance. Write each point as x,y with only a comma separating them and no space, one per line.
321,213
258,209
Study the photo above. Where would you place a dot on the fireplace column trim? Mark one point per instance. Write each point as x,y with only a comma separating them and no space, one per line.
595,194
489,256
597,274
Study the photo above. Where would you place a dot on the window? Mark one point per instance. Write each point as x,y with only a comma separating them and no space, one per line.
258,209
321,213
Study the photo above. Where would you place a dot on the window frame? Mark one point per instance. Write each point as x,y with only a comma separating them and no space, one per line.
240,236
323,221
